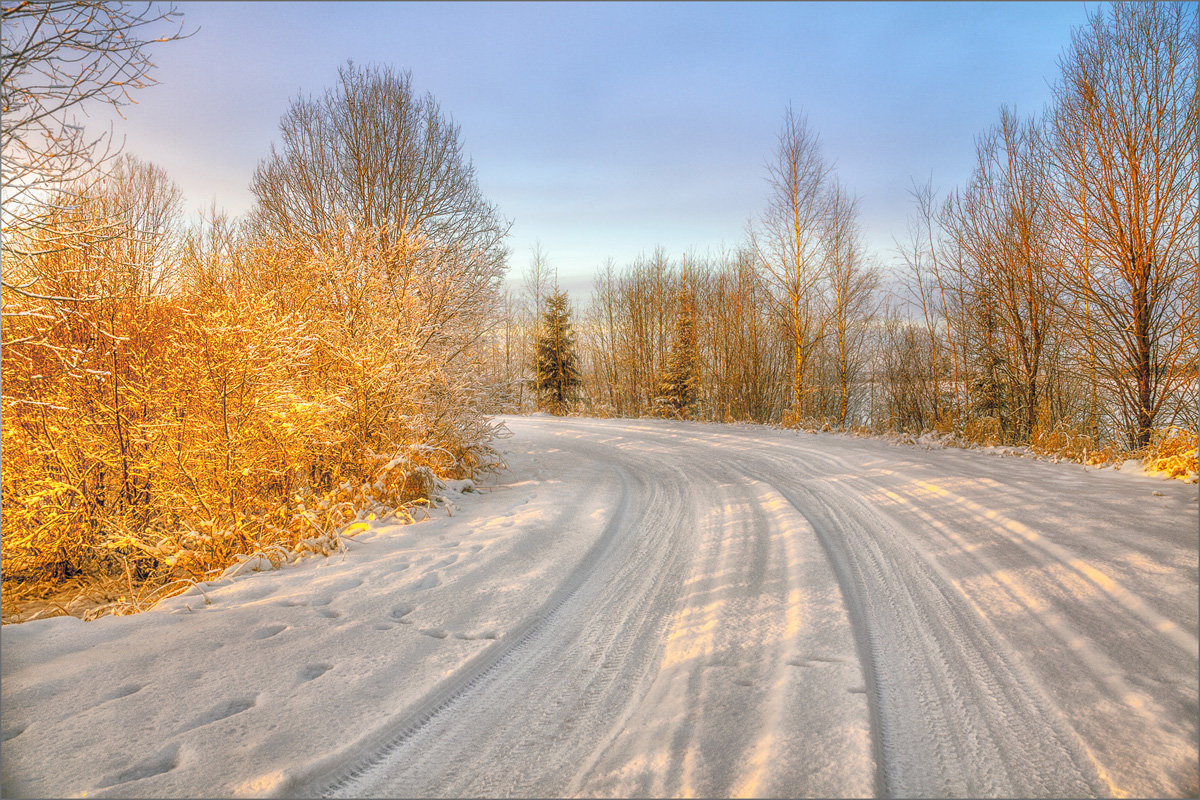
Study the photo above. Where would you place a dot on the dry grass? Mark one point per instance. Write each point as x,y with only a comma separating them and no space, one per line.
983,431
1073,444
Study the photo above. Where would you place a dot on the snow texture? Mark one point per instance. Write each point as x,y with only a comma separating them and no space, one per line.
650,608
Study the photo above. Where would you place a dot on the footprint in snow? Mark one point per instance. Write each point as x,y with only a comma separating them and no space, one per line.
428,582
164,761
268,631
314,671
812,661
436,633
347,584
401,611
123,691
328,613
222,710
466,637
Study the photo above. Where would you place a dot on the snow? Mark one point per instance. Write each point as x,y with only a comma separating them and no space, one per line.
269,673
659,608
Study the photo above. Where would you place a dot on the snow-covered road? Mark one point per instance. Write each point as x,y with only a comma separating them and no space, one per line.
645,608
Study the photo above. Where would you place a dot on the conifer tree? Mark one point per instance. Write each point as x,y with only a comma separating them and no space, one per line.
557,362
678,393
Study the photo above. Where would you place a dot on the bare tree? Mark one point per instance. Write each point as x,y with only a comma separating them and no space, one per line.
1123,131
370,149
59,60
539,285
936,288
789,244
853,282
370,164
1001,226
146,208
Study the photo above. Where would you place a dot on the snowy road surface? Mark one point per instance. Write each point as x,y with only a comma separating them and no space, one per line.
643,608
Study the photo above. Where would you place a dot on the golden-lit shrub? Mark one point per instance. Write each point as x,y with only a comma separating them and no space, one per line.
1172,452
274,397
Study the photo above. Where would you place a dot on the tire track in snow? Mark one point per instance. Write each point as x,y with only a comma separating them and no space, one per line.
955,709
1158,741
335,781
957,715
539,671
742,703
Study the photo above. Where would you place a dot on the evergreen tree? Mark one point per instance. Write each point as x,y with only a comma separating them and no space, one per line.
992,392
678,393
557,362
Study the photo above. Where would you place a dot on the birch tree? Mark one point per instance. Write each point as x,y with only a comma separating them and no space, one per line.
788,242
1123,131
853,282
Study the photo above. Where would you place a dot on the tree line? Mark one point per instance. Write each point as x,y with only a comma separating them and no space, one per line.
1050,300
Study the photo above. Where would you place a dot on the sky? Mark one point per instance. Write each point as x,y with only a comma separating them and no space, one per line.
603,130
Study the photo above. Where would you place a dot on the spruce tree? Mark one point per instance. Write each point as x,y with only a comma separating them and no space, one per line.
557,362
678,392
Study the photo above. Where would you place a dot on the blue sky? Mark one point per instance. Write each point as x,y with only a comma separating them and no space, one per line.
605,129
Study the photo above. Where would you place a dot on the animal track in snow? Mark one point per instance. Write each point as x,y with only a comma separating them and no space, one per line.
436,633
328,613
401,611
268,631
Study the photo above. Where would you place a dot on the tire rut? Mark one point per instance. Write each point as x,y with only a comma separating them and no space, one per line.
940,679
541,671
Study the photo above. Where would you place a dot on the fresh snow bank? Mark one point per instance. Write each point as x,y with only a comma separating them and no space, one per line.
229,690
